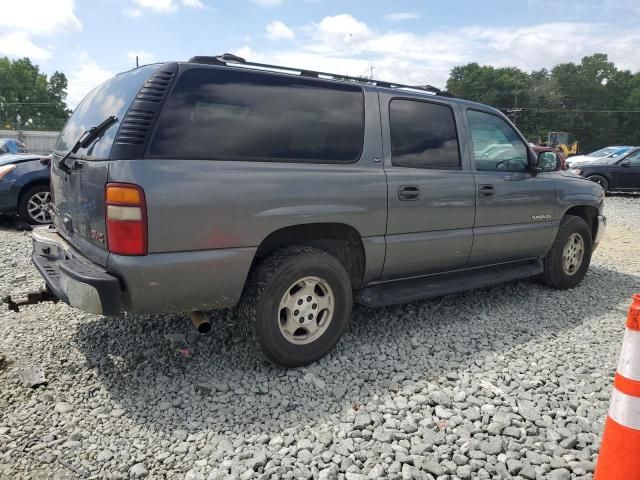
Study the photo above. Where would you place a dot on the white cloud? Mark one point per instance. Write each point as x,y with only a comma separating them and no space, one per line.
193,3
268,3
401,16
22,21
38,17
84,79
345,45
163,6
160,6
277,30
19,44
144,57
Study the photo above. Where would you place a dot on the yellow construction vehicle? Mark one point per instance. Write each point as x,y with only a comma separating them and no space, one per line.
564,141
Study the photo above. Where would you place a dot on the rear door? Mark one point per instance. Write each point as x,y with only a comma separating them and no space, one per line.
78,194
627,176
430,192
515,208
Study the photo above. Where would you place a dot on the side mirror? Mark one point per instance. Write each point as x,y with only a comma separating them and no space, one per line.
625,163
547,162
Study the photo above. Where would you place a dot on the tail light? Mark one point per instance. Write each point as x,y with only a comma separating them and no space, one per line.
126,215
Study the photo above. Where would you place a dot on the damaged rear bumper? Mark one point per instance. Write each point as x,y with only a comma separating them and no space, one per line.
72,278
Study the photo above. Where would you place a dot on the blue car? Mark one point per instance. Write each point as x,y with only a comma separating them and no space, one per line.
24,187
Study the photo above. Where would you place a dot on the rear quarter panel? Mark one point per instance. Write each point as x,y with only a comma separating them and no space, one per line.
196,205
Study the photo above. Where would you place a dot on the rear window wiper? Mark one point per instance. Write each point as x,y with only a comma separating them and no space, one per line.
86,139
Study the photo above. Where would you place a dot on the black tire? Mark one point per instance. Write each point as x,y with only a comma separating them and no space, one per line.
259,307
600,180
23,206
554,274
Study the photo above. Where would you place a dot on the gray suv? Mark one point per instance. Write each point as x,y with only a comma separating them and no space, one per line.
292,194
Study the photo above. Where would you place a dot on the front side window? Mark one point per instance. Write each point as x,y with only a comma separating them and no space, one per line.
423,135
237,115
496,146
634,159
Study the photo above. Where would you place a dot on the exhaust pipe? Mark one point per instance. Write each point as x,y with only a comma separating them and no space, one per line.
200,321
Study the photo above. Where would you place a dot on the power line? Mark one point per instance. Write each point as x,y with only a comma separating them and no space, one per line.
569,110
25,103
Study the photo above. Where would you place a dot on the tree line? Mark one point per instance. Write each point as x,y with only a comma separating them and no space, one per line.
29,99
594,100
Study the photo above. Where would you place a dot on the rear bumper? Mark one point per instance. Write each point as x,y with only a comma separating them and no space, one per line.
72,278
602,227
155,283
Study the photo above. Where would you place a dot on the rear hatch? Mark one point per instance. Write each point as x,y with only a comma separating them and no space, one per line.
78,186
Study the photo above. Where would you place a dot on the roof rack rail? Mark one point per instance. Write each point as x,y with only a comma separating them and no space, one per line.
227,58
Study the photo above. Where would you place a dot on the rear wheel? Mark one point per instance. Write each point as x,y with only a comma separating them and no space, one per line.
296,305
34,205
600,180
567,262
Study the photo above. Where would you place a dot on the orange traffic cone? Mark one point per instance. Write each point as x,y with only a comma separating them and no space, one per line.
619,457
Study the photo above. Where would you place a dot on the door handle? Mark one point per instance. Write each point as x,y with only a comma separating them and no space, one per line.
486,191
408,193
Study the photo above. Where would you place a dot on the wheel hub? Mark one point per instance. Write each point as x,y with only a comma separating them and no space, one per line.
38,207
572,254
306,310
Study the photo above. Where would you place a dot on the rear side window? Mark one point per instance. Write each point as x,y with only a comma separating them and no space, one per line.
113,97
234,115
423,135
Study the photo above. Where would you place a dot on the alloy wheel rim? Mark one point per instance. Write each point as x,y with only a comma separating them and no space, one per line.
38,207
306,310
572,254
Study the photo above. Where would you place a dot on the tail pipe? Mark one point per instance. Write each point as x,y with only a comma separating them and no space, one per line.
200,321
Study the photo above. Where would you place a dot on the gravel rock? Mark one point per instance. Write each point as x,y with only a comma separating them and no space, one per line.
139,470
493,446
505,381
63,407
559,474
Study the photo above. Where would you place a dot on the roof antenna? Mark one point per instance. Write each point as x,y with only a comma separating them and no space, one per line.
137,61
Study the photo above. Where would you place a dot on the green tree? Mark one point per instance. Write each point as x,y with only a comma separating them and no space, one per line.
29,99
592,99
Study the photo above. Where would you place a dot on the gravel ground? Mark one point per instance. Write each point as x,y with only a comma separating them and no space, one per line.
501,382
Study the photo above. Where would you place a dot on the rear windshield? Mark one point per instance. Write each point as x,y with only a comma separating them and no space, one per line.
113,97
237,115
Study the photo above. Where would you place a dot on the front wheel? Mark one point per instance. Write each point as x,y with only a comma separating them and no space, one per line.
296,305
600,180
567,262
34,205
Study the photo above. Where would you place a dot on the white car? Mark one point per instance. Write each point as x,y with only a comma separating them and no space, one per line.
607,152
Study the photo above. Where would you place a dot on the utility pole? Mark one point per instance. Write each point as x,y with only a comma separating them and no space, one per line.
137,61
515,108
371,68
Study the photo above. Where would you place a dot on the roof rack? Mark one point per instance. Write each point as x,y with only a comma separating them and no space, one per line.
228,59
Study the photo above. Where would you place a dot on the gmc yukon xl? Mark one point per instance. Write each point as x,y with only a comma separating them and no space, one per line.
292,194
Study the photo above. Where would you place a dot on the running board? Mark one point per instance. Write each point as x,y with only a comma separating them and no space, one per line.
402,291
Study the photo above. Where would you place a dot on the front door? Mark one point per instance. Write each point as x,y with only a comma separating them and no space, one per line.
515,207
431,202
627,173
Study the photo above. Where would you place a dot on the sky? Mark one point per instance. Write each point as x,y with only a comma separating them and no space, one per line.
408,41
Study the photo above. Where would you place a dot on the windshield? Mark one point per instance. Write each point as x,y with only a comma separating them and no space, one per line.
603,152
113,97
